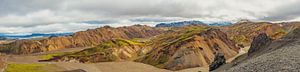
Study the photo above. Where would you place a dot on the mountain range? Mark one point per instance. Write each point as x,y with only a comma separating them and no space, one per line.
192,22
4,36
182,46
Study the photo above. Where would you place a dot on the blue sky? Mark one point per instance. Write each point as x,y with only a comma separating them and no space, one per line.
54,16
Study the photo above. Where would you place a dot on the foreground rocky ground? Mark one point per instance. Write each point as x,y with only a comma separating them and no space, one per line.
277,56
284,60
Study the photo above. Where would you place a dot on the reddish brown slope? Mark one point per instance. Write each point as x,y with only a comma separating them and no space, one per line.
87,38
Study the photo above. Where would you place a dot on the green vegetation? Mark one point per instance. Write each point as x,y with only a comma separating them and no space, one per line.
185,35
88,55
104,51
13,67
135,39
49,56
278,34
118,43
263,26
240,39
173,38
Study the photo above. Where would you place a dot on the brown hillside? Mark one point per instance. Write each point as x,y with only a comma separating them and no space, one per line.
114,50
87,38
190,47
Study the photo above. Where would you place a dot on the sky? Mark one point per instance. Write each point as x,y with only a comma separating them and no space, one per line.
58,16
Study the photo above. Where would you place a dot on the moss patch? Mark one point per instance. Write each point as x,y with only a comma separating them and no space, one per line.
174,38
49,56
240,39
14,67
118,43
183,36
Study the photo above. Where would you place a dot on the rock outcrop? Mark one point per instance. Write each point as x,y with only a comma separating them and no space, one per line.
192,47
258,43
88,38
218,61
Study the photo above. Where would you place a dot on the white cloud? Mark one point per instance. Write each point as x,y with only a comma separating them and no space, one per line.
39,16
42,17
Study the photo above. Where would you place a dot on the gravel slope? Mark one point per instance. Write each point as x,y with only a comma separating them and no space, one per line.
285,59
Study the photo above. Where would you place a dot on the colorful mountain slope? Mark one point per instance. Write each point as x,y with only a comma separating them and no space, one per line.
88,38
187,48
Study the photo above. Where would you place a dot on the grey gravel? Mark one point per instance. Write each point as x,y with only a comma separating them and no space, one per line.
285,59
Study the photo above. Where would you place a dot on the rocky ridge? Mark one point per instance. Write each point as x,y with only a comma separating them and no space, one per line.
88,38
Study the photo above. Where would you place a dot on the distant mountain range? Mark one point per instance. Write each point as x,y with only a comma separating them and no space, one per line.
4,36
193,22
30,35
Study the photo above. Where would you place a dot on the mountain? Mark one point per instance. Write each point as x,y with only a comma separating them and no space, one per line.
32,35
189,47
280,55
193,22
243,32
114,50
171,48
179,24
221,23
176,49
89,38
3,38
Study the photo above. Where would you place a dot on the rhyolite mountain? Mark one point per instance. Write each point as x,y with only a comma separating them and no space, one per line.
188,48
113,50
89,38
176,49
244,32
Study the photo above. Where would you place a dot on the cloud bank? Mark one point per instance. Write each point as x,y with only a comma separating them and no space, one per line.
34,16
